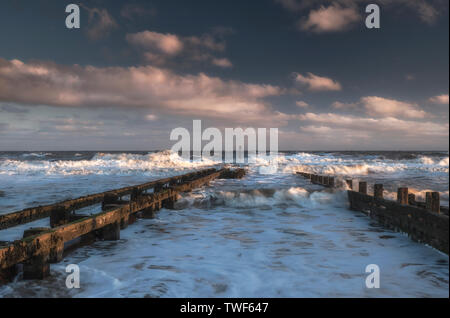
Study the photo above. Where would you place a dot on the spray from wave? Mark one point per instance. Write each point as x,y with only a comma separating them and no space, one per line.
103,164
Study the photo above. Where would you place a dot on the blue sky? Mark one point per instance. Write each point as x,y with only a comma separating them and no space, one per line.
135,70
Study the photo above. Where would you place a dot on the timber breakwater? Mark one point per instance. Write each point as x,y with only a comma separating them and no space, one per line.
119,208
426,222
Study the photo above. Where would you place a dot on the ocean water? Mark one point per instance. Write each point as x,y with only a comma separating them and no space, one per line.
271,234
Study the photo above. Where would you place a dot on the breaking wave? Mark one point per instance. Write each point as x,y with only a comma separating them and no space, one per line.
103,164
264,198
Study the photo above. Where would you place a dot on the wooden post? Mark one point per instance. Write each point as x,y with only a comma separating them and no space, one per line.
135,194
38,266
169,203
158,187
8,275
110,232
349,183
131,218
428,201
59,216
378,191
435,202
412,199
109,199
57,251
124,222
149,213
326,181
331,182
402,196
320,179
363,187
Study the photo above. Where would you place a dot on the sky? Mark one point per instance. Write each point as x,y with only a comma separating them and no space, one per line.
136,70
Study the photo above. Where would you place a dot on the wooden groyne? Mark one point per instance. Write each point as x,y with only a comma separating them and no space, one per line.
42,246
426,222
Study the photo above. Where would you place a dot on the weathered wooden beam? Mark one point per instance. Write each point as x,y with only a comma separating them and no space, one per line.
412,199
35,213
232,174
320,180
362,187
331,182
435,202
402,196
41,248
418,223
378,191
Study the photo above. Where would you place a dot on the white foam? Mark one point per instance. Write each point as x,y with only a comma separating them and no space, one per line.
103,164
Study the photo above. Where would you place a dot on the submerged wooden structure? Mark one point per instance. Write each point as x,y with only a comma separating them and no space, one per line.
425,222
42,246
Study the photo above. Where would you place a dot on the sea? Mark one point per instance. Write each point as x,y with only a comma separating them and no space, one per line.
270,234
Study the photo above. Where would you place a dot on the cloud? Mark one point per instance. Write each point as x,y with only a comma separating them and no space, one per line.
426,11
101,23
158,89
383,107
159,48
379,106
223,62
440,99
330,19
340,105
302,104
151,117
168,44
70,126
318,83
321,16
387,125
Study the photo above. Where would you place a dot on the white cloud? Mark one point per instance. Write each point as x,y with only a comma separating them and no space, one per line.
151,117
322,16
340,105
330,19
100,23
159,48
302,104
318,83
223,62
440,99
169,44
379,106
389,125
43,83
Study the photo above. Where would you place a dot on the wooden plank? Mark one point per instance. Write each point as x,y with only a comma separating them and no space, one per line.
421,225
44,243
35,213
